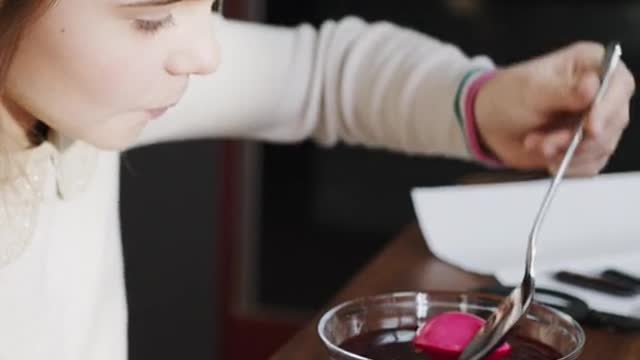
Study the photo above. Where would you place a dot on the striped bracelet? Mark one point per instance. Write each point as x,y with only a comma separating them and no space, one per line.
464,106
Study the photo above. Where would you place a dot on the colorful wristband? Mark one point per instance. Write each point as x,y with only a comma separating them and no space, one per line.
465,106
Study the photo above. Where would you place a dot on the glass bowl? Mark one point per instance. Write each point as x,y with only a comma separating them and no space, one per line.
404,310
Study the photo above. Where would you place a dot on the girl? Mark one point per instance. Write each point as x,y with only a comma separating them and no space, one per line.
81,80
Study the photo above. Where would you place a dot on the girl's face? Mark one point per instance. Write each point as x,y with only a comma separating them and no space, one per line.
100,70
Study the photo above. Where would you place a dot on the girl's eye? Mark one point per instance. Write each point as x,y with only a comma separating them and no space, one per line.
152,26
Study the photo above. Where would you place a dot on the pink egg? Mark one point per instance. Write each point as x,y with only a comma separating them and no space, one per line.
445,336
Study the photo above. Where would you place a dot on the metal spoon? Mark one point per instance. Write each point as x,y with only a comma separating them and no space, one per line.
517,303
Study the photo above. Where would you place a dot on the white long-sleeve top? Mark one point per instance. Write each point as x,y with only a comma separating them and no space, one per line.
62,293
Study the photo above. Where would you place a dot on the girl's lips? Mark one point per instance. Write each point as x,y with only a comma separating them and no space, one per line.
156,113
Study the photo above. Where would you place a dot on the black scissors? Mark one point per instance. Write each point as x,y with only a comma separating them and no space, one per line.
574,307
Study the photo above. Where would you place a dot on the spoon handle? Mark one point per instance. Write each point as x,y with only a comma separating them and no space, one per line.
612,57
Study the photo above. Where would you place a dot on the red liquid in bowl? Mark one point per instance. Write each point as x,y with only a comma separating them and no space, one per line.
398,345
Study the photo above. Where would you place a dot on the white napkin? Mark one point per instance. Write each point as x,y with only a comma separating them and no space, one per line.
593,224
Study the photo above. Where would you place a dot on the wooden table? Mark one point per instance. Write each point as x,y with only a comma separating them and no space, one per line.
407,264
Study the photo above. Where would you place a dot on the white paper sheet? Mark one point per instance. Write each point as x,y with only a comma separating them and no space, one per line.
591,225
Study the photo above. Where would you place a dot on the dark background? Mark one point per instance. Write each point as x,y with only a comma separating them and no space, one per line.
323,213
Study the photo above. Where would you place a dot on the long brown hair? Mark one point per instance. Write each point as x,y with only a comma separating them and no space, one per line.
15,15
